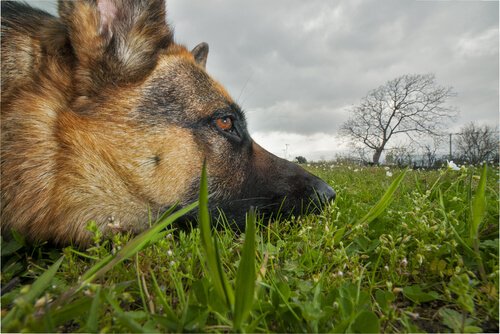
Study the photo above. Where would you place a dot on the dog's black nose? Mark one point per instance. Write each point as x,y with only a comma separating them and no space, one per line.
325,193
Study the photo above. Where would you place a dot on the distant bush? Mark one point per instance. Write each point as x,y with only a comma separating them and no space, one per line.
301,160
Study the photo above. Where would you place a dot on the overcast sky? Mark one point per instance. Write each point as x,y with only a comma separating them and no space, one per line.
296,66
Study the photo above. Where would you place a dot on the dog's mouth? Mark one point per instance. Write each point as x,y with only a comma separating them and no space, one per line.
268,209
233,213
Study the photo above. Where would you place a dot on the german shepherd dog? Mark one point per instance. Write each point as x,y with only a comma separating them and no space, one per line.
105,118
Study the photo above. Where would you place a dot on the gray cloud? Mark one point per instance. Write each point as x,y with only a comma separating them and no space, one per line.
299,64
295,66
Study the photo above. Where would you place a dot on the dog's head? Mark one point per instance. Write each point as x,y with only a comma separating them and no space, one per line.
146,114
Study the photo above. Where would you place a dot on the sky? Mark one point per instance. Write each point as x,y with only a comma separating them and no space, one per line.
296,67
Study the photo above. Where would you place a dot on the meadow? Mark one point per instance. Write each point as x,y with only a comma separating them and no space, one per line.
399,250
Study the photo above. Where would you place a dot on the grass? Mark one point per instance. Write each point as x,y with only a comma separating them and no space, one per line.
416,251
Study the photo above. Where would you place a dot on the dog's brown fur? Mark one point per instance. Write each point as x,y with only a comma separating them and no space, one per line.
105,118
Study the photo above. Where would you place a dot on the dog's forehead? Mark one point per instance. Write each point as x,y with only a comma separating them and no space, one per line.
178,80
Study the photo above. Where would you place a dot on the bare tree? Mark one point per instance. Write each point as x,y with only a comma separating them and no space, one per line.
476,143
410,105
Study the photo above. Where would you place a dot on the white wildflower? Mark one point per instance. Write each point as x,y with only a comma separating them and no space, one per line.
388,174
452,165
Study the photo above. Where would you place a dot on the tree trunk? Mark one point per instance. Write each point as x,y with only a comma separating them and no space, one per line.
376,155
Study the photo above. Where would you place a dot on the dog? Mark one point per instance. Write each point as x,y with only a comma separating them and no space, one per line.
105,118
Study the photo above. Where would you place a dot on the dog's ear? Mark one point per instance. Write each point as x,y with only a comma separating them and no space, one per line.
115,40
200,54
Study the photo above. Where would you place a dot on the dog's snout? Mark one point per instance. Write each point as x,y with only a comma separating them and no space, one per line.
325,193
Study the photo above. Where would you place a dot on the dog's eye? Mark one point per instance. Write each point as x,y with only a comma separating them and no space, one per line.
228,127
224,123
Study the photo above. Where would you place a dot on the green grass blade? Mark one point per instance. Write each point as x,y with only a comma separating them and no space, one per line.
96,267
167,309
139,283
457,235
245,276
478,211
209,245
42,282
206,236
204,218
36,289
168,212
226,287
478,205
131,324
384,201
92,320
